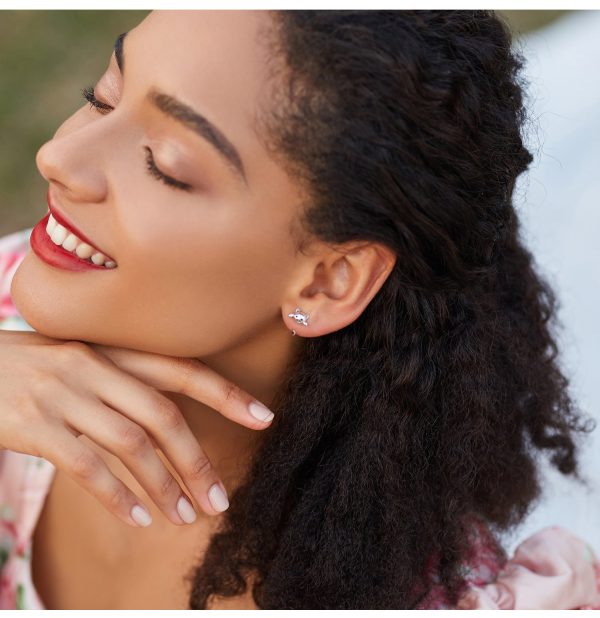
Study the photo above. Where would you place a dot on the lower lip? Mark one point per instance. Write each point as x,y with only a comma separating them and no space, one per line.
55,255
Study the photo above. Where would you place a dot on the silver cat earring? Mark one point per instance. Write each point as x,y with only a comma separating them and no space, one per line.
300,316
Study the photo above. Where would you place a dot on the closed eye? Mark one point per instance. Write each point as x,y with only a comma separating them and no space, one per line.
156,173
104,108
90,96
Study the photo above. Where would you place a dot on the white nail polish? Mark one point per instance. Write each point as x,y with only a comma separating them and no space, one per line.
262,413
140,515
186,510
218,498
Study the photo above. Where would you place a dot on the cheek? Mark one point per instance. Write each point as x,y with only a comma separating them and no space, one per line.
194,293
190,290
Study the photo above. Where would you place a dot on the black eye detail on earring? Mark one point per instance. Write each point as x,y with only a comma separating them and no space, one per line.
300,316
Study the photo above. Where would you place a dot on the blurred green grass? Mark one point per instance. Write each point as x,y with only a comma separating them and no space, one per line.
46,58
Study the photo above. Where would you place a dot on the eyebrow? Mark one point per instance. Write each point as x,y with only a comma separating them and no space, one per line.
191,119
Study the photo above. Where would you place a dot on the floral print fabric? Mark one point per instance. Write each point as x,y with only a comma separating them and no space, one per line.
24,483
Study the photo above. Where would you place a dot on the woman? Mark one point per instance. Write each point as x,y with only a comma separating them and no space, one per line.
241,178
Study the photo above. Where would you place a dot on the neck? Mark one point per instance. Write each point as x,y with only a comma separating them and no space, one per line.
256,366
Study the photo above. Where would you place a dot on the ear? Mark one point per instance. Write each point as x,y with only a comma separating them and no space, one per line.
339,287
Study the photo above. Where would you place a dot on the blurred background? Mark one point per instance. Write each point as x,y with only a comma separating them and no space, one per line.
47,57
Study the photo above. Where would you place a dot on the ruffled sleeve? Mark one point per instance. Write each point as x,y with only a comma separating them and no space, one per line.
552,569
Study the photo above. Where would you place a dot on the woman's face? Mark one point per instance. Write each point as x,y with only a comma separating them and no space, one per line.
200,269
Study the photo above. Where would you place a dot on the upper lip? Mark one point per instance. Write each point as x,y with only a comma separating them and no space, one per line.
65,221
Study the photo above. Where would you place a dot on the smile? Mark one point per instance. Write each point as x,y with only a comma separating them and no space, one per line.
68,240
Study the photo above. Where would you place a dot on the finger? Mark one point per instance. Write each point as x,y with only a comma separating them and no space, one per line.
194,379
133,446
90,471
163,420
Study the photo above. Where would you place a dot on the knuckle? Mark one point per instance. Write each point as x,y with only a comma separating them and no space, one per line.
85,464
167,486
75,349
169,415
231,391
200,468
42,384
134,439
72,353
188,370
42,376
119,496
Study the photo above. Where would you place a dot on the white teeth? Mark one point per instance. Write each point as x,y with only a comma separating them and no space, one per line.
84,250
59,234
71,241
50,225
98,258
62,237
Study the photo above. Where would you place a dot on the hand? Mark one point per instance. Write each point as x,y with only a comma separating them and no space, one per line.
54,390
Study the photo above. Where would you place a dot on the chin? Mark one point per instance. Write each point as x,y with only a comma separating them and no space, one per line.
47,318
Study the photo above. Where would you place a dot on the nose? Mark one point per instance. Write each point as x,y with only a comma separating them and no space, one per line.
69,162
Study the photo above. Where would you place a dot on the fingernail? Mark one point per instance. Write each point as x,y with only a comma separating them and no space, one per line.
140,515
186,510
218,498
262,413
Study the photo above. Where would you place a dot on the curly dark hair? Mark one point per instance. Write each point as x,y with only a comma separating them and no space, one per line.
432,408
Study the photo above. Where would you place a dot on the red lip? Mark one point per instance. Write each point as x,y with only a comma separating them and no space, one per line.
62,219
54,255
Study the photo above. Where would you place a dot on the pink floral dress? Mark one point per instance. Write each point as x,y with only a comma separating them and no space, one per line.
552,569
24,483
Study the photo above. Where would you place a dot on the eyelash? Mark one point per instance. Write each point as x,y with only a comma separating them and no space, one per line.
104,108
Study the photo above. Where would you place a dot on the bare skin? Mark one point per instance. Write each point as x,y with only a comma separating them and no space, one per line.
74,567
208,273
